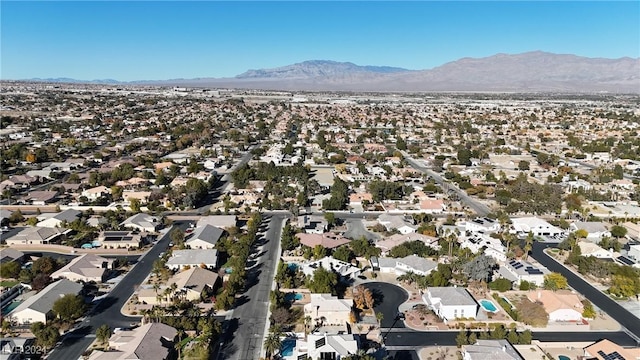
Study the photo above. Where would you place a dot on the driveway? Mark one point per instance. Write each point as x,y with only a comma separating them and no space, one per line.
388,298
356,230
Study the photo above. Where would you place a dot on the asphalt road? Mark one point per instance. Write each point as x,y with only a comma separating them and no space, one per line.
602,301
388,298
245,331
479,208
108,310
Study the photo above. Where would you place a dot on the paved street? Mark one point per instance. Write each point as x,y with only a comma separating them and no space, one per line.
108,311
602,301
244,337
480,208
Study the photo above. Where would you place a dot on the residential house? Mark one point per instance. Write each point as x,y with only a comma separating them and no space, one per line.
520,270
329,263
142,222
450,303
58,219
326,240
143,196
328,309
41,197
398,222
330,346
596,230
313,224
432,206
85,268
204,237
8,255
38,307
592,249
608,350
490,349
634,252
399,239
358,199
4,217
490,246
96,193
152,341
193,258
561,305
33,235
408,264
221,221
192,282
119,240
482,225
535,225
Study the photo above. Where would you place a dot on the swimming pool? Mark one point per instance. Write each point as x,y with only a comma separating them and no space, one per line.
292,266
293,296
12,305
563,357
488,306
286,349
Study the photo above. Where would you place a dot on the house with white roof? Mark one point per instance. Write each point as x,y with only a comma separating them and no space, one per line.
189,258
95,193
142,222
52,220
593,249
408,264
329,309
398,239
520,270
482,225
331,264
398,222
85,268
490,349
34,235
204,237
39,306
330,346
535,225
221,221
490,246
450,303
596,230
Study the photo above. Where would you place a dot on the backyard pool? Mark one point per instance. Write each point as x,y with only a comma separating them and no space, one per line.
563,357
488,306
293,296
292,266
287,347
12,305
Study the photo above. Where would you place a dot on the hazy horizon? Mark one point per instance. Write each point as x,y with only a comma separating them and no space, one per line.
128,41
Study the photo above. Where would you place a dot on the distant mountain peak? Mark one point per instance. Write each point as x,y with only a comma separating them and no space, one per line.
318,68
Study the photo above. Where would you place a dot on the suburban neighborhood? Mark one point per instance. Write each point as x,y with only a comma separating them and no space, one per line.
181,223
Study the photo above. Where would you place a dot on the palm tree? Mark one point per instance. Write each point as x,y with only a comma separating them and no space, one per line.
528,245
307,324
379,317
272,344
178,346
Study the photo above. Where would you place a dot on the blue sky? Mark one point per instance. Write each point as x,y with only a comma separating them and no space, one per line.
161,40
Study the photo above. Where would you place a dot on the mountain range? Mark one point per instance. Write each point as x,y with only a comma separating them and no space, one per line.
535,71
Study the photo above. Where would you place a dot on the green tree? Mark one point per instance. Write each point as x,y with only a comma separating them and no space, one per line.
525,337
46,335
588,312
323,281
272,344
69,307
618,231
134,203
44,265
103,333
523,165
331,218
16,217
10,270
462,338
343,253
555,281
